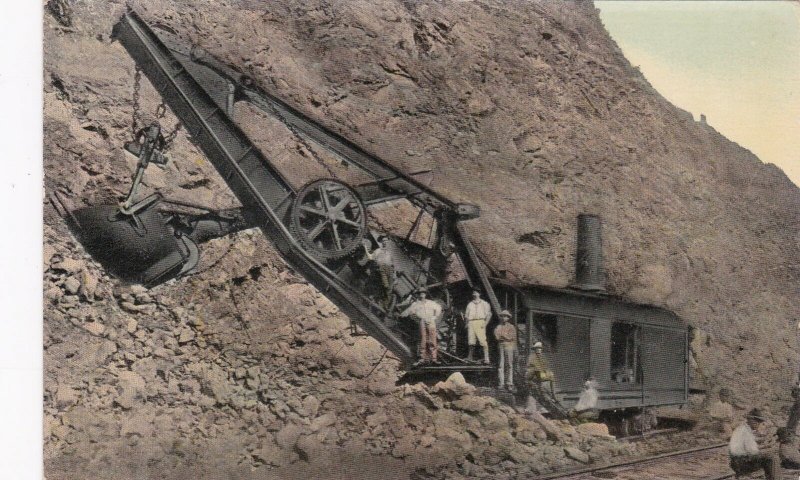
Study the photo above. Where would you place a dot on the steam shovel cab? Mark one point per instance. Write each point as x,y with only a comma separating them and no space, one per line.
637,354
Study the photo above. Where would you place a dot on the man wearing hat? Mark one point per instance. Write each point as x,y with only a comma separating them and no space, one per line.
477,315
538,371
506,335
745,455
383,258
428,313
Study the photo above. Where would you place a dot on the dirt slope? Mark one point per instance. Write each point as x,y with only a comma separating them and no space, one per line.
527,109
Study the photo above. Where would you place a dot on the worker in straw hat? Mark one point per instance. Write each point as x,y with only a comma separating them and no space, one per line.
539,371
749,448
427,312
506,336
477,315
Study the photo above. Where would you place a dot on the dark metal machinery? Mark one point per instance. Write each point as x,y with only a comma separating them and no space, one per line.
637,354
318,228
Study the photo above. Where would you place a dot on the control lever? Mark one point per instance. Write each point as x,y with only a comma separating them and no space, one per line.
147,147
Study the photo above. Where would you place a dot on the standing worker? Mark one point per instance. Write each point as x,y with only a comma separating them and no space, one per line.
428,313
748,454
506,335
383,258
538,371
478,314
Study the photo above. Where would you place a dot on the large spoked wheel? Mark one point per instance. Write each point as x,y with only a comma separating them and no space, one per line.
329,219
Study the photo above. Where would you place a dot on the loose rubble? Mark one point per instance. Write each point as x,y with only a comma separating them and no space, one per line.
257,374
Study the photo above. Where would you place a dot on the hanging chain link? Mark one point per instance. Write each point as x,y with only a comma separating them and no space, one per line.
170,137
161,111
137,84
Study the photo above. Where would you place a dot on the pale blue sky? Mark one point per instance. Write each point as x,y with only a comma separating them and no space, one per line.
738,62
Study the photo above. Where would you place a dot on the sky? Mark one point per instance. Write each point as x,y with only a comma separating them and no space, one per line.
737,62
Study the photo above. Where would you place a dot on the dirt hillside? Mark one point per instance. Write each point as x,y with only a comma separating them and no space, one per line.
528,109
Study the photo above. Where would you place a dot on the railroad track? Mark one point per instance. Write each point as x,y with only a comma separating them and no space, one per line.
701,463
695,463
785,475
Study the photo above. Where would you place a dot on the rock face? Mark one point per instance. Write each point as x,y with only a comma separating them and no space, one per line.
527,109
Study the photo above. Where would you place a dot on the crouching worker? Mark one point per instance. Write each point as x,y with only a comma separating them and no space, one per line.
537,374
745,453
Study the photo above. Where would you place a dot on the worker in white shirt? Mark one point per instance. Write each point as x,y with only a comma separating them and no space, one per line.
477,315
428,313
383,258
746,455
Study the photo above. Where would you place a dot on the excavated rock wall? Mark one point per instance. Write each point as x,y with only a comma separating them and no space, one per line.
527,109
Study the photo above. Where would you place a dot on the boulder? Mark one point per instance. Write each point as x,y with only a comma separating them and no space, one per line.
186,335
471,403
131,325
594,429
528,432
131,386
287,436
553,432
95,328
493,419
68,265
455,386
53,294
72,285
310,406
323,421
575,454
89,282
66,396
214,381
428,400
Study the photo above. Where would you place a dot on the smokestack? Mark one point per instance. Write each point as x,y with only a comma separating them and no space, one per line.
589,274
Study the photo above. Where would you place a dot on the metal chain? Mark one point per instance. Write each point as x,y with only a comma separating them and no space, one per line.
170,137
137,84
161,111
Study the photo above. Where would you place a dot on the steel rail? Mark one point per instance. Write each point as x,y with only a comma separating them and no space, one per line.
627,463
